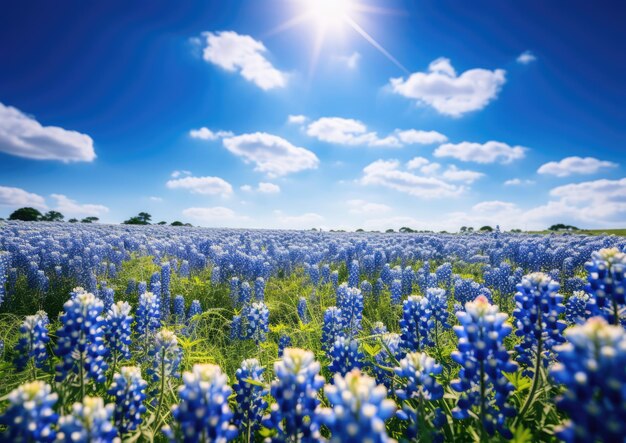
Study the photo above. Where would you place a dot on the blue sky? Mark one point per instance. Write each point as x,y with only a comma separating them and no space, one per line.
428,114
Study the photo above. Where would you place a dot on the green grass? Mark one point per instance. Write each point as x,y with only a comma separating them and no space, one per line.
619,232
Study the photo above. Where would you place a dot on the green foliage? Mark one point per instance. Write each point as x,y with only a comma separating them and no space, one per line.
26,214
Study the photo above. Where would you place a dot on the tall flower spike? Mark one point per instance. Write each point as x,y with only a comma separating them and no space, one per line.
345,355
257,322
203,413
283,342
576,308
303,311
537,308
360,409
333,327
128,389
118,332
80,340
607,282
416,323
90,421
166,356
30,415
148,315
484,360
32,342
591,367
351,305
296,393
250,404
178,309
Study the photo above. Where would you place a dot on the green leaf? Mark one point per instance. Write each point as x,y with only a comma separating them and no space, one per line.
371,350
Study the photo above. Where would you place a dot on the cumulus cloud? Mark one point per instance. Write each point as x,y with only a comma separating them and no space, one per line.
455,174
296,119
351,132
262,188
362,207
205,133
72,208
304,221
575,165
518,182
387,173
449,93
155,199
271,154
23,136
242,53
417,163
17,198
182,173
216,216
490,152
526,57
351,61
202,185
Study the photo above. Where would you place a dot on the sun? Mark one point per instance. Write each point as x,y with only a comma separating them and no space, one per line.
328,13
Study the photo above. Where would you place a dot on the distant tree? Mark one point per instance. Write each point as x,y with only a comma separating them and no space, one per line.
162,223
463,229
188,225
178,223
516,231
390,230
405,229
73,220
142,219
470,229
360,230
562,227
89,220
26,214
443,232
486,229
52,216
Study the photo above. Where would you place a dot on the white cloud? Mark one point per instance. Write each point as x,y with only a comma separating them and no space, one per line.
430,168
413,136
296,119
575,165
235,52
358,206
205,133
526,57
72,208
202,185
23,136
214,216
489,152
177,174
304,221
518,182
351,61
18,198
271,154
417,162
155,199
351,132
387,173
455,174
262,188
449,93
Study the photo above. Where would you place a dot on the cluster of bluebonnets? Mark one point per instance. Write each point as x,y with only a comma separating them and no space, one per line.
426,337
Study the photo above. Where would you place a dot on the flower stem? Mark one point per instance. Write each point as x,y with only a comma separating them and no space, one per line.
536,377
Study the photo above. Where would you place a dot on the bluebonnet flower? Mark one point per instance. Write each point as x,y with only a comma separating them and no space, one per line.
284,341
591,366
32,342
396,292
234,291
245,294
607,282
387,355
351,304
178,309
194,309
360,409
131,286
314,274
107,295
216,275
183,271
4,274
236,328
296,393
538,306
142,287
259,289
148,317
166,273
89,422
576,308
80,340
257,322
378,289
484,360
353,274
444,275
366,288
325,274
303,311
334,278
438,303
379,328
250,404
128,389
416,323
407,280
30,414
344,355
166,356
203,413
333,326
117,331
418,386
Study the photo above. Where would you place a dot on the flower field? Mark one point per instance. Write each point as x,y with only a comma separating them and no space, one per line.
155,333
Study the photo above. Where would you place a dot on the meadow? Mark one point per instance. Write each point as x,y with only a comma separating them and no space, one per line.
156,333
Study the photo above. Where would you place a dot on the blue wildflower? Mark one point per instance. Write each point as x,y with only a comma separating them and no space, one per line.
344,355
166,356
89,422
30,415
350,301
178,309
259,289
32,342
607,283
332,328
118,332
250,404
236,328
128,389
283,342
257,322
416,323
576,308
303,311
148,318
353,274
396,292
